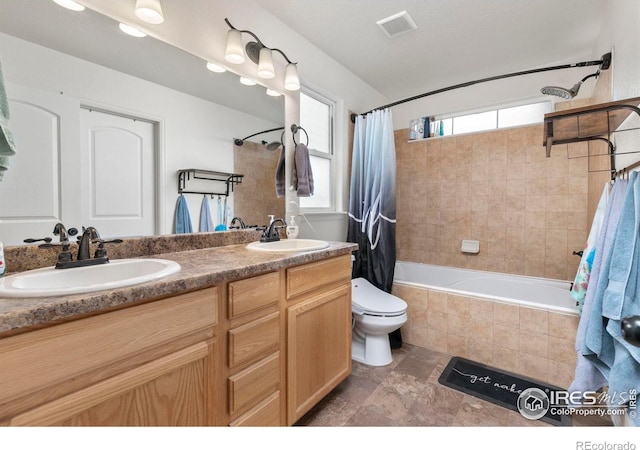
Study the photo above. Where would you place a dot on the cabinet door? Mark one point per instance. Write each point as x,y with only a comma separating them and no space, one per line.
167,392
319,348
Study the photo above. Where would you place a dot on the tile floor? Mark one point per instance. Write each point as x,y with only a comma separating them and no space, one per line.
407,393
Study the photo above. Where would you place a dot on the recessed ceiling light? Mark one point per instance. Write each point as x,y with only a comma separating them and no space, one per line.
70,4
131,31
215,67
247,81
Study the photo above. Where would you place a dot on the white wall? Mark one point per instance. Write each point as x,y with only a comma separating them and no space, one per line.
194,133
621,32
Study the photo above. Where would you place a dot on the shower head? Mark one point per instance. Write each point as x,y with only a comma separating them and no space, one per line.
565,93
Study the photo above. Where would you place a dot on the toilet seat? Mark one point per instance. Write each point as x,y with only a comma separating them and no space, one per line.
366,299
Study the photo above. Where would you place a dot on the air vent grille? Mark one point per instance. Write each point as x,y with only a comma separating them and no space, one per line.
397,24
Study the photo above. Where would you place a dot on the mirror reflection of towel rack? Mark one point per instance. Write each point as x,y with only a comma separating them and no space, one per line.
225,181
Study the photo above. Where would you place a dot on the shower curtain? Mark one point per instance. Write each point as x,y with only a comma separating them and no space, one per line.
372,202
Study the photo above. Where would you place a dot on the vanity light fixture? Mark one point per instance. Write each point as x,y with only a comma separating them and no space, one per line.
70,4
273,93
261,55
150,11
131,31
213,67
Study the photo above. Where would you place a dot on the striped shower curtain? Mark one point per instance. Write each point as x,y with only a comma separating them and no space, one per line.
372,202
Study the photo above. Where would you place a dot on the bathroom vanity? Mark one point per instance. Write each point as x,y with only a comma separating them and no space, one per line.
235,338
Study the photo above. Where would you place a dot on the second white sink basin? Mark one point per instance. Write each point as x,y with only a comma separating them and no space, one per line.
288,245
115,274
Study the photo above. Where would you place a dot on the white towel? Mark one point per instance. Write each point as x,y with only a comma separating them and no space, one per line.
7,146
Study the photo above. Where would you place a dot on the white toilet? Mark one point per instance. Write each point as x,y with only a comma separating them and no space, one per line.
375,315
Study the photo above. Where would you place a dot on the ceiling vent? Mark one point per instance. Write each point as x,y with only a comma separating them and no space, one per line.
397,24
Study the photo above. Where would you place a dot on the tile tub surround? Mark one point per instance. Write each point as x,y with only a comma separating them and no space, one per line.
201,268
529,212
532,342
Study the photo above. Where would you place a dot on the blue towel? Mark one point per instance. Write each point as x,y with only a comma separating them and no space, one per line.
598,350
183,220
206,224
587,376
7,146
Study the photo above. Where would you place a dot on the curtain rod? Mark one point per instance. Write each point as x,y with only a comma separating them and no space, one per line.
605,62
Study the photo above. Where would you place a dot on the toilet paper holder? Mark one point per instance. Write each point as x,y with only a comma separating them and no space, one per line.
470,246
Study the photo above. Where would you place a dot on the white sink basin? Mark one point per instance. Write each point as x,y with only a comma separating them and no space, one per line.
288,245
115,274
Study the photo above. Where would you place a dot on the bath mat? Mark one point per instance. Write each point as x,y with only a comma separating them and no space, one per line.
499,387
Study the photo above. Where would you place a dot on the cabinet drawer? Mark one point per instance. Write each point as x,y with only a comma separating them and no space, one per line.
254,339
264,414
254,383
252,294
306,278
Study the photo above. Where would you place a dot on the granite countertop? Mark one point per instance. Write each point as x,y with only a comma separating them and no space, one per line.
200,269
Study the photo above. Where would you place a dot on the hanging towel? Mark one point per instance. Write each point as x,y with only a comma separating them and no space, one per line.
597,348
206,223
302,174
7,146
579,287
587,376
280,174
183,220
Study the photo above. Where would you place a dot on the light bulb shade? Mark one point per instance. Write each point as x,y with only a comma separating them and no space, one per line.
273,93
234,52
150,11
291,80
265,65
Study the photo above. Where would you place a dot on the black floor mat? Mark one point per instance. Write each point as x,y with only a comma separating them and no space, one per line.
501,388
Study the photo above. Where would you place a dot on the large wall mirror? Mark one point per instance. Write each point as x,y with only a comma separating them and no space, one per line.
71,77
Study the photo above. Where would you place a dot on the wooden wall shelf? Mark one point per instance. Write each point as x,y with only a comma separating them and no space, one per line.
587,123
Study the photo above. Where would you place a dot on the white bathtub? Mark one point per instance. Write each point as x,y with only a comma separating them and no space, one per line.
543,293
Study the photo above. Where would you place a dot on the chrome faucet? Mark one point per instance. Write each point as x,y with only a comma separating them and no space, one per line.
271,234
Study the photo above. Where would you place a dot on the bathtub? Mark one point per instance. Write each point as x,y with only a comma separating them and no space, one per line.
541,293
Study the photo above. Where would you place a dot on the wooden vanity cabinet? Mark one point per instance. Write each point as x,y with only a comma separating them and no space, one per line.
254,351
151,364
259,351
318,332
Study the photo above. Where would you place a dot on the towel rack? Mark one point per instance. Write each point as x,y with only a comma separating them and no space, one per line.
219,178
590,123
294,129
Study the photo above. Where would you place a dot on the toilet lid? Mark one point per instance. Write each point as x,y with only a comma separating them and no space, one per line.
368,299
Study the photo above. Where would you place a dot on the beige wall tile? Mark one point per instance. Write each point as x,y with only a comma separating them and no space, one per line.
561,350
506,314
563,325
481,309
533,343
534,366
505,358
458,305
481,330
535,320
437,301
506,337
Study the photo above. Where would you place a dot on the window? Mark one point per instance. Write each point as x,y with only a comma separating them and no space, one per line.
316,117
496,118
